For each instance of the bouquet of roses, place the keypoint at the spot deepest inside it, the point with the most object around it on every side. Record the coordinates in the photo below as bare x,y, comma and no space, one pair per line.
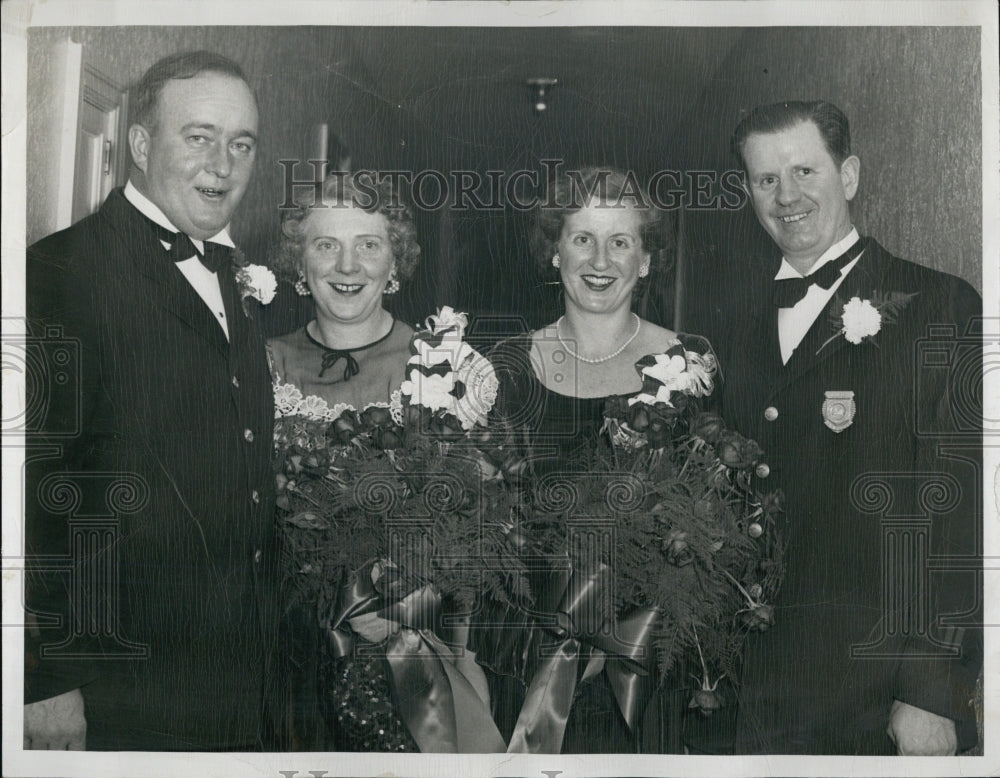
670,550
409,481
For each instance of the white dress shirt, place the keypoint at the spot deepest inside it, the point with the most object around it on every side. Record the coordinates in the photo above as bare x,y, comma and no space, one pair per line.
794,322
204,281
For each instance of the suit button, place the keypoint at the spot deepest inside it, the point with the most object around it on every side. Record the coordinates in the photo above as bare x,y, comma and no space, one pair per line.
248,434
255,497
770,413
257,556
763,471
236,382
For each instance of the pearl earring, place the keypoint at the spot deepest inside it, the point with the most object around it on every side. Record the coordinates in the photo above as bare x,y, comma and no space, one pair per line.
392,285
555,260
301,287
644,270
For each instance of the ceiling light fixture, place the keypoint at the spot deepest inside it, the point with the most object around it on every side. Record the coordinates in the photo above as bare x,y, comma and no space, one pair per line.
540,86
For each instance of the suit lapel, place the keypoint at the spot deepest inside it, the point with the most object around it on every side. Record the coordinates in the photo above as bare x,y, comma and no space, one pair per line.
176,295
236,314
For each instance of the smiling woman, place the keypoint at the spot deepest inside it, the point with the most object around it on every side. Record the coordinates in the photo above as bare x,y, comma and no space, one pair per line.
554,387
347,248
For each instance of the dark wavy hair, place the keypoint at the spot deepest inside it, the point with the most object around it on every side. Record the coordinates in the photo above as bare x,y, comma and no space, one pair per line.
573,190
366,190
764,119
145,95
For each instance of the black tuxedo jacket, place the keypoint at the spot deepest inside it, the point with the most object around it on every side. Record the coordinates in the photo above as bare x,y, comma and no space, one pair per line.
149,497
883,521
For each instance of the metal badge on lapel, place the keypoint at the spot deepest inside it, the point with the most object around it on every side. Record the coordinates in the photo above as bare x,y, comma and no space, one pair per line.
839,410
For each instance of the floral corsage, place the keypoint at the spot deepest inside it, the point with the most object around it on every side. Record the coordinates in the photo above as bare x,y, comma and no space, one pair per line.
860,320
256,281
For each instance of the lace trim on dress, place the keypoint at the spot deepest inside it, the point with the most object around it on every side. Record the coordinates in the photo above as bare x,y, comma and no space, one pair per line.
289,401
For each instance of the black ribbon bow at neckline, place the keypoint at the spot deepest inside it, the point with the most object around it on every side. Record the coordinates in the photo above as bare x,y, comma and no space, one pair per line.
332,356
788,292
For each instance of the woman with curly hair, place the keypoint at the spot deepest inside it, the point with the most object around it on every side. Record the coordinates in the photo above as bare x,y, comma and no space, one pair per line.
349,247
599,235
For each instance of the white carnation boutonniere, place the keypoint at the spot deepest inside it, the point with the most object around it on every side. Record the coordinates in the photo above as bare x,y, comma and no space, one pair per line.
860,320
258,282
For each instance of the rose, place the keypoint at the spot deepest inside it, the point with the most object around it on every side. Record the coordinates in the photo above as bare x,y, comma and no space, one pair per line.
344,426
708,426
676,547
707,701
659,432
758,617
638,417
616,408
737,452
388,438
662,420
416,417
446,426
376,416
678,405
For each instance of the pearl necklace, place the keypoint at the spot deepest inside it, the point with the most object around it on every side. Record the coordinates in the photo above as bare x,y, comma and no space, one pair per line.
598,360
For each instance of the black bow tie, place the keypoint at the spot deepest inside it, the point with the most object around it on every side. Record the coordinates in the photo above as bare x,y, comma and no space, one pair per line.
215,256
788,291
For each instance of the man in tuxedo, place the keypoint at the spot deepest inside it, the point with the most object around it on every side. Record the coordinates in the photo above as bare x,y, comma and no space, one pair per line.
870,419
149,497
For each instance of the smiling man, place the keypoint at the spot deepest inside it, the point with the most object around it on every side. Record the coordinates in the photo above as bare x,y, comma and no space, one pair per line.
151,591
876,645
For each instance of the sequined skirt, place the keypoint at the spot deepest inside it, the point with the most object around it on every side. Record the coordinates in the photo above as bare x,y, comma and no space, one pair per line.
357,704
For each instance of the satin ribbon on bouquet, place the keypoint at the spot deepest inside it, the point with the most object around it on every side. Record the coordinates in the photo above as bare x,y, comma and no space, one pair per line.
584,631
434,694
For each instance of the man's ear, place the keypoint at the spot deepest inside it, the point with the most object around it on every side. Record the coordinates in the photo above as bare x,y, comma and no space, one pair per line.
138,145
849,176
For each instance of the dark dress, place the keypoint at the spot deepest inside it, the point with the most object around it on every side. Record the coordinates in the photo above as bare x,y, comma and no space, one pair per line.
557,431
338,703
